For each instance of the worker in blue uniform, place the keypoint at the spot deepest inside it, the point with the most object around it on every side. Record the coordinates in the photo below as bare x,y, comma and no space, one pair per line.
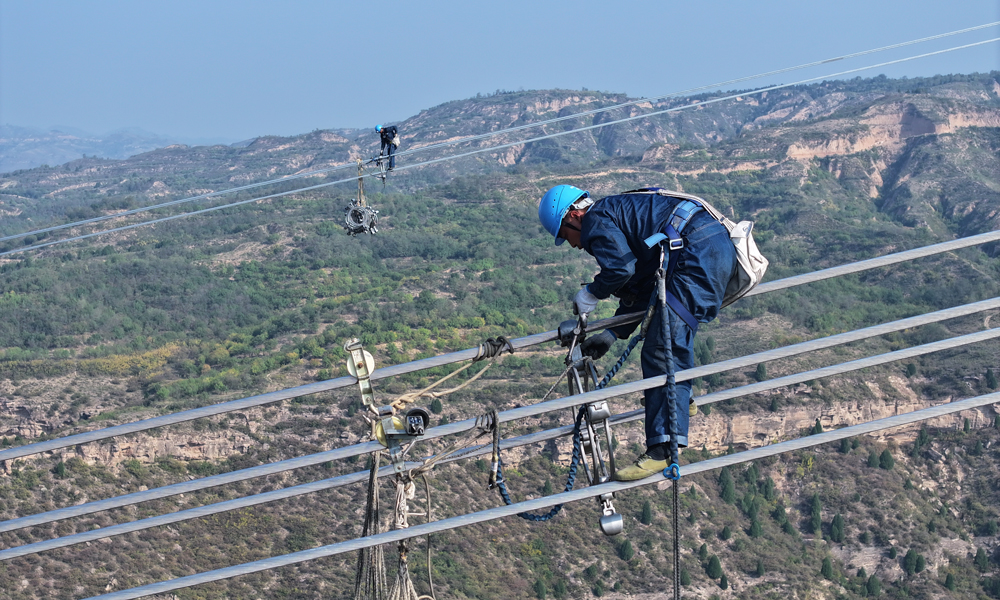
390,141
614,231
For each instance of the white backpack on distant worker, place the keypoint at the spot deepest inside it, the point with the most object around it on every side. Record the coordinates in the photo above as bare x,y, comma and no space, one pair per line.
753,265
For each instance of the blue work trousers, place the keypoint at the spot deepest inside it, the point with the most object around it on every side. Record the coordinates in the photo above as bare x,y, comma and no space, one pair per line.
703,270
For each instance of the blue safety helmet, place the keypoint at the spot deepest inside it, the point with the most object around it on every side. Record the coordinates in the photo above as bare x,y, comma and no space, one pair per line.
554,206
378,129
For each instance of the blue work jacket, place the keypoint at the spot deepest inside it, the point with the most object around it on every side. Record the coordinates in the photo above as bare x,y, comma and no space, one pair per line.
613,232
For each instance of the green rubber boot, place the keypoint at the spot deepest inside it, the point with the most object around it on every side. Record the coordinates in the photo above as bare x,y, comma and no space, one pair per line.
643,467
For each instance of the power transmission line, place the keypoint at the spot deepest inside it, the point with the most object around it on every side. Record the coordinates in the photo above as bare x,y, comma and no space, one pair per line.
531,410
498,147
546,501
362,476
491,134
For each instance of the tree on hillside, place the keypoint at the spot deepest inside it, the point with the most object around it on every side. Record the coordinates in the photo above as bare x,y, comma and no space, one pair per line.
761,373
837,529
827,569
981,561
646,517
714,569
625,551
885,460
816,515
874,586
728,486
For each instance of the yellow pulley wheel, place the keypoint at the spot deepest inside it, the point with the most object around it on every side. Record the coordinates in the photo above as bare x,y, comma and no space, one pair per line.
397,424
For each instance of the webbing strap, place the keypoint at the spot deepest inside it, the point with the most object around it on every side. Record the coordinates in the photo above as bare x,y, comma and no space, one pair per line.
673,301
671,236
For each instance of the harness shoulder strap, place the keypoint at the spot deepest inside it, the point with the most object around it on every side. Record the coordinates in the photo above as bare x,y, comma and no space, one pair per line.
676,222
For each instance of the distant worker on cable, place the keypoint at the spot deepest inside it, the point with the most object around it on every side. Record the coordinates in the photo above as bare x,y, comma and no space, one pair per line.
390,141
616,231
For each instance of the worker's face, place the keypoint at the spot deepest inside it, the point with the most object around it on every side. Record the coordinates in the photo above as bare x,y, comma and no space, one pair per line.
571,225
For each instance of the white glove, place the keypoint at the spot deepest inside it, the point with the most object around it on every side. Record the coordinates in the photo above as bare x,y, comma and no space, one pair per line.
584,302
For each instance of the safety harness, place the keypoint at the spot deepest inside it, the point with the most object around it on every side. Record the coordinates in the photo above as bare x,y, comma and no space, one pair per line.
671,242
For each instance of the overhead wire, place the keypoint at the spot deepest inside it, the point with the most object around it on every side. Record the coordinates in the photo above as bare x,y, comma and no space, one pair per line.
530,410
491,134
515,442
441,360
498,147
469,354
547,501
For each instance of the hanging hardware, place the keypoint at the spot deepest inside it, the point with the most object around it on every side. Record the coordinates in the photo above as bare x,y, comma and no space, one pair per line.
359,217
583,375
361,365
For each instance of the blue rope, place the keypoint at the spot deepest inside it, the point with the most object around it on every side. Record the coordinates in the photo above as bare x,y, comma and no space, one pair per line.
621,361
570,481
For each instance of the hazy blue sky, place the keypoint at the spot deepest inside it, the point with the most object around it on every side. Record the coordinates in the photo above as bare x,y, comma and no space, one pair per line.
233,70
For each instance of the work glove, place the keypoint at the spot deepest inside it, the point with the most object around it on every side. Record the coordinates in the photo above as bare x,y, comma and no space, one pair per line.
584,302
597,346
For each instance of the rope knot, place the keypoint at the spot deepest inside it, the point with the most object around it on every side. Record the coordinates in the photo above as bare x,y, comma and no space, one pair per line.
493,347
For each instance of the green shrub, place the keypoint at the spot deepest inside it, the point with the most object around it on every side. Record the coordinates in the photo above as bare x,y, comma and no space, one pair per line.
714,568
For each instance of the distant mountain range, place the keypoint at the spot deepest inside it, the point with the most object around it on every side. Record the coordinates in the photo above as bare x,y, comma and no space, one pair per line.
29,147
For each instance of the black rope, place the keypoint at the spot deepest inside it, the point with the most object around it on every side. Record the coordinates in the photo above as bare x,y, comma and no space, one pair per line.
677,547
494,347
369,579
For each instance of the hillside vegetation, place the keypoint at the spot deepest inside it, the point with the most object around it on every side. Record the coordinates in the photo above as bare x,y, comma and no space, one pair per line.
262,297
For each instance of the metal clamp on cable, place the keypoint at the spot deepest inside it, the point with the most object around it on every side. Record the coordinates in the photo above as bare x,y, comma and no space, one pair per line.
392,431
673,472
